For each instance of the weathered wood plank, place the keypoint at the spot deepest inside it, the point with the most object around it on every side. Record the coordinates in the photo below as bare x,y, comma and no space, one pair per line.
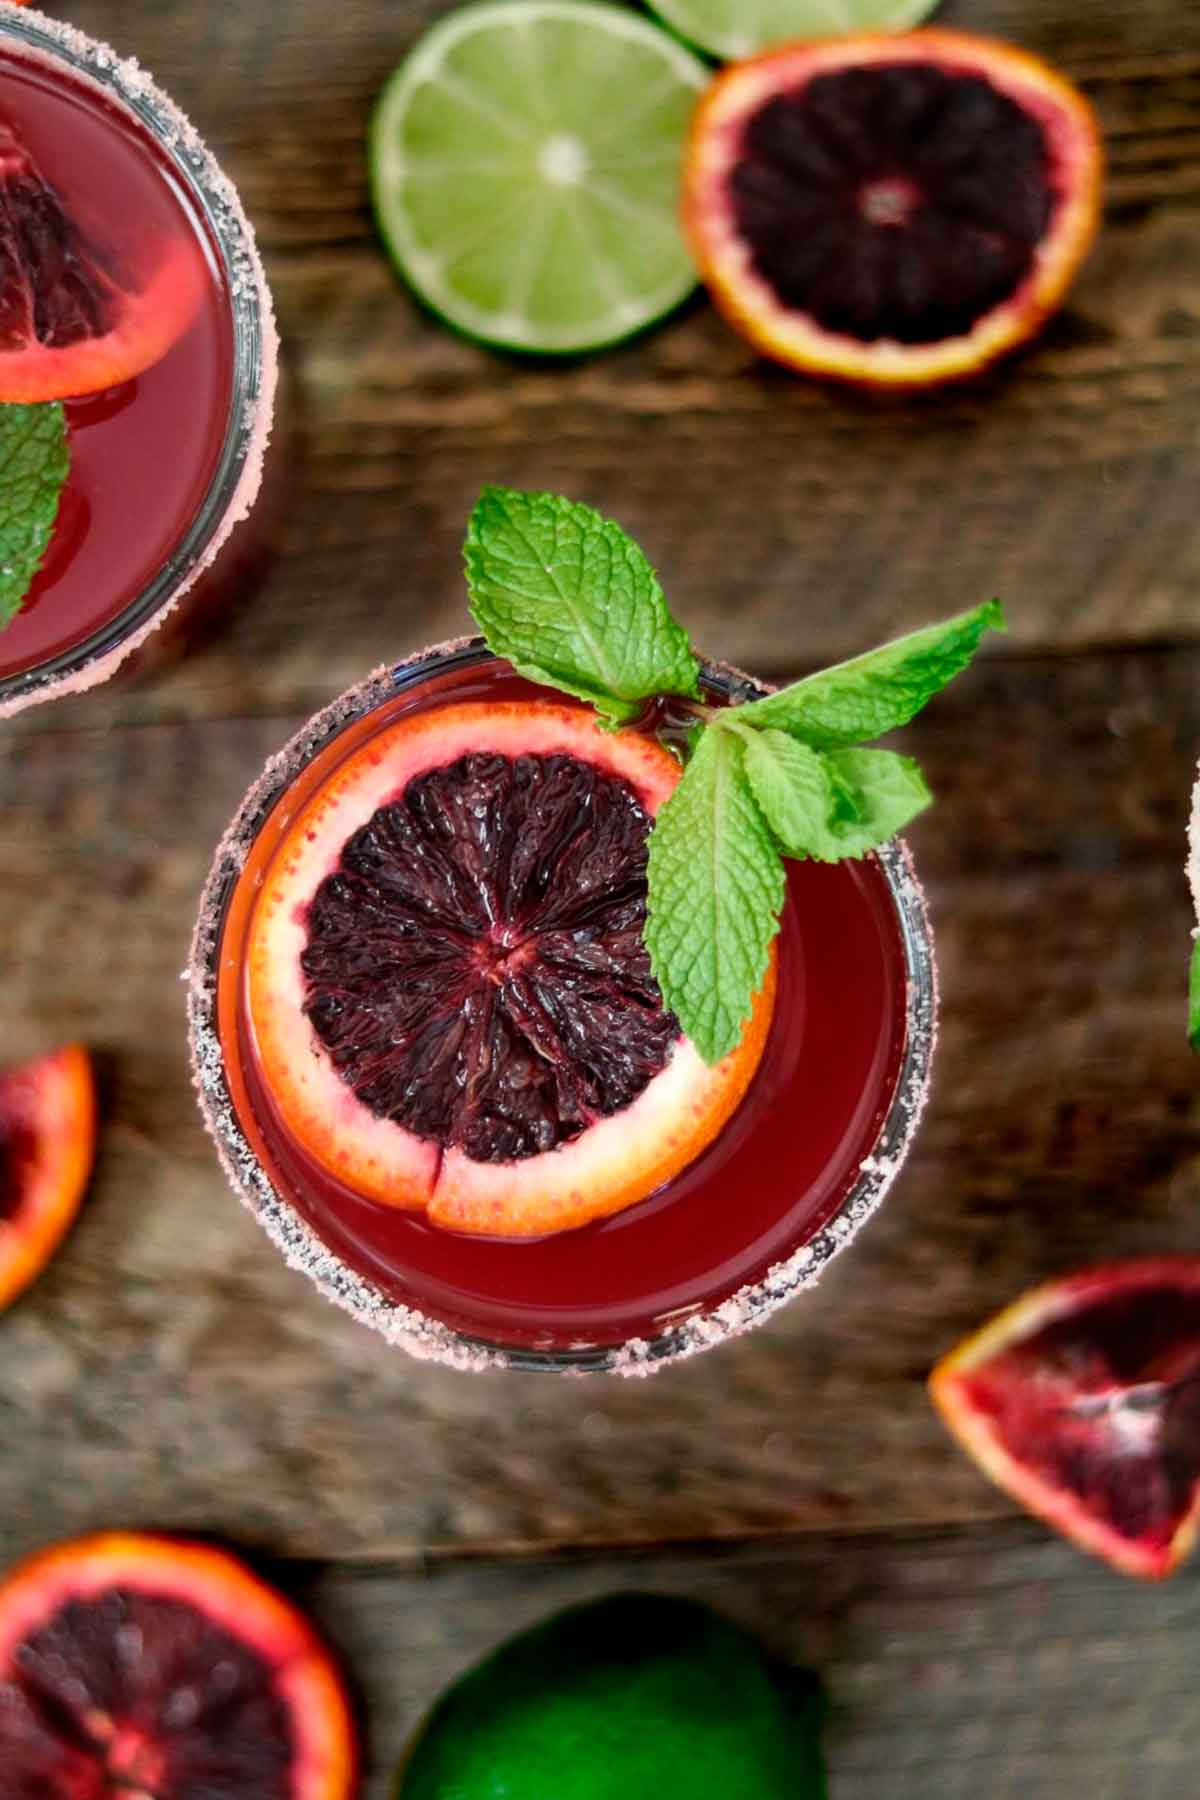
792,524
169,1368
978,1665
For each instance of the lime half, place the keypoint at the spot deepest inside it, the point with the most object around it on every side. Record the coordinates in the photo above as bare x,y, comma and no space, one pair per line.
734,28
525,161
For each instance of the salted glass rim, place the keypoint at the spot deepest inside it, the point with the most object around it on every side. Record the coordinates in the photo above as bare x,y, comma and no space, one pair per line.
429,1338
236,478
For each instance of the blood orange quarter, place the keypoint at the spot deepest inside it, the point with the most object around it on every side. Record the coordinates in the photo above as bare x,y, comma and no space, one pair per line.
47,1143
447,987
1082,1400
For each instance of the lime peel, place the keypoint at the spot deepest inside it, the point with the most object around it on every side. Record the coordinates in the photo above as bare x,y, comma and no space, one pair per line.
525,168
731,29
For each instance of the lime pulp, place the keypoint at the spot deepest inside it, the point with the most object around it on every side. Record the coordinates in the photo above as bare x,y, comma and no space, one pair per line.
734,28
525,164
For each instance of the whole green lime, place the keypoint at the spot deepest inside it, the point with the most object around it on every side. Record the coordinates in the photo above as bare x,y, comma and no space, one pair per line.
631,1698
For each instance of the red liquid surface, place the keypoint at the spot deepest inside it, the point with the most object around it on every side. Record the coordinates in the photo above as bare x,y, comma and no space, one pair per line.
143,454
779,1170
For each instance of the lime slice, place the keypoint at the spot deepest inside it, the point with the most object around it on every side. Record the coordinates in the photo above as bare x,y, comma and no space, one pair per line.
525,162
734,28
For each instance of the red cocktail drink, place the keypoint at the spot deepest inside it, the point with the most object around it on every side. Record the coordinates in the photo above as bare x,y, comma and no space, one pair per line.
165,463
802,1161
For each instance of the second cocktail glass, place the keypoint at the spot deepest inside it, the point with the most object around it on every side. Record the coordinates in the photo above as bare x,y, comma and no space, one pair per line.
167,461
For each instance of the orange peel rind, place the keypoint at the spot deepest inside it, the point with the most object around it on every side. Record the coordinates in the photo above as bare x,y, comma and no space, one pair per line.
794,336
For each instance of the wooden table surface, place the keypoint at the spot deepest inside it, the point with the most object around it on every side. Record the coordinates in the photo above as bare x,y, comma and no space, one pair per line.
169,1371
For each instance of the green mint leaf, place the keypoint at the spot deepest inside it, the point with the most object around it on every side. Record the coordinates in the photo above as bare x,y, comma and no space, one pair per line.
861,699
1194,998
34,459
569,600
716,887
792,786
889,791
831,804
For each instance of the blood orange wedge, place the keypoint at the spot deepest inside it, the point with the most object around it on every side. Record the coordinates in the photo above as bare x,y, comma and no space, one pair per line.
891,211
146,1668
47,1142
74,318
1083,1401
449,993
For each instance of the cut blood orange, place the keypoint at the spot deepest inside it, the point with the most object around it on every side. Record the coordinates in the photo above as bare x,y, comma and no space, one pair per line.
891,210
47,1142
147,1668
450,997
1083,1401
75,319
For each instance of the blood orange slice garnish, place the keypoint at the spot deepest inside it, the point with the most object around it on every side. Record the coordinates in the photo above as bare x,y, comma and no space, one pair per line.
1082,1400
892,211
143,1668
47,1143
74,317
450,996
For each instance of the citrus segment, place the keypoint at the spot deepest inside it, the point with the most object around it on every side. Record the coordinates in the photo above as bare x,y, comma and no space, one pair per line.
1082,1400
47,1143
894,211
138,1665
450,997
74,319
670,1122
525,169
730,29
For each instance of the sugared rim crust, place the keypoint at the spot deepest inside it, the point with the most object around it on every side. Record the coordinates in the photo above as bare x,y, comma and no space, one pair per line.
429,1338
746,299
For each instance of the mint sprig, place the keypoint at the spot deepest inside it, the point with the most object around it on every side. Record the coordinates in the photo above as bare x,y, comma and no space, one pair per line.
34,459
716,889
833,804
567,598
859,700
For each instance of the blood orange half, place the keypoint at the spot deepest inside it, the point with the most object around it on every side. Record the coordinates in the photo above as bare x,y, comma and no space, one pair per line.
146,1668
450,997
47,1142
893,211
74,317
1083,1401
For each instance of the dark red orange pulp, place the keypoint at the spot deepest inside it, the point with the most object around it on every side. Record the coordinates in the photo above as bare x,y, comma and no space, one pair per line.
1082,1400
138,1665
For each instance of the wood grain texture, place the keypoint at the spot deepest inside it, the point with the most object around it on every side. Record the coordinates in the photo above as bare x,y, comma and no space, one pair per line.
978,1665
791,523
169,1369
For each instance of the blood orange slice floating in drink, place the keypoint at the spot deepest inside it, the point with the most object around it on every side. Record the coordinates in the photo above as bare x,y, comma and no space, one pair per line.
75,318
447,982
133,1666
